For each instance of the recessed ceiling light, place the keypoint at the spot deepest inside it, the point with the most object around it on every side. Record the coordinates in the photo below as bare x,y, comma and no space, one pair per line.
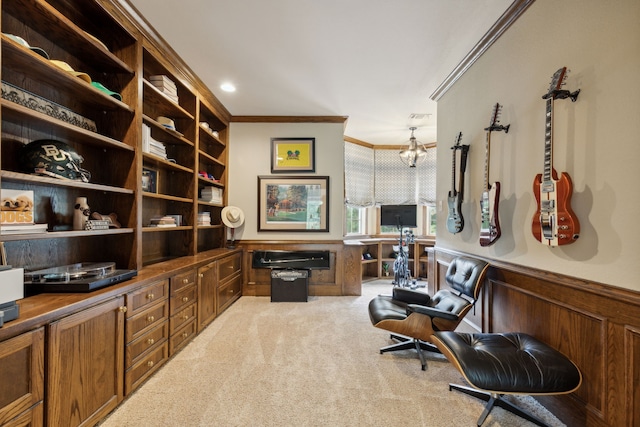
228,87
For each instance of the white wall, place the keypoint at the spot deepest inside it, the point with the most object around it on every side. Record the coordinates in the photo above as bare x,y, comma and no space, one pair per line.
597,138
249,157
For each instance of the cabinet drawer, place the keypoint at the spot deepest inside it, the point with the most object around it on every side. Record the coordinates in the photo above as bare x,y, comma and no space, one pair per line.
146,342
179,281
138,300
182,337
229,266
182,317
142,322
21,370
145,367
229,293
183,298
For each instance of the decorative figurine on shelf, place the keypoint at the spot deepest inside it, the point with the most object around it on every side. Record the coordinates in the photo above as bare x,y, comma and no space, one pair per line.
233,218
112,219
81,213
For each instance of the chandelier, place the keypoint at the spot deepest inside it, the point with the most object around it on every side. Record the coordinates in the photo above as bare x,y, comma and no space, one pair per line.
414,152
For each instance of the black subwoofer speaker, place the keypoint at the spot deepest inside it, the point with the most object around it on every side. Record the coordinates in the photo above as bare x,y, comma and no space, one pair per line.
289,285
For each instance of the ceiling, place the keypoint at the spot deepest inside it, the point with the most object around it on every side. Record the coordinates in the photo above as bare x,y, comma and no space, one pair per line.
375,61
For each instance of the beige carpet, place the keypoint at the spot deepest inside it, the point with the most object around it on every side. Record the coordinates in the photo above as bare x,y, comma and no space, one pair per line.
304,364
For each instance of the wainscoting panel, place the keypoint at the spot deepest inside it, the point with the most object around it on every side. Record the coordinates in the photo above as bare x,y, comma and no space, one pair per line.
342,277
632,347
595,325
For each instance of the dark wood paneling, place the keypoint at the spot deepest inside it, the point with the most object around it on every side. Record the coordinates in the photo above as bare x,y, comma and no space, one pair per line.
595,325
632,347
342,278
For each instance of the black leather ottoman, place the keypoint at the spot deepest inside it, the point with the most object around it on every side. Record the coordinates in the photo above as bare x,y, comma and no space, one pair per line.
509,363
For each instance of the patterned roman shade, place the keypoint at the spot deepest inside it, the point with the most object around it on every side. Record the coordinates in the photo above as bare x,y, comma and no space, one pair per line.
395,182
427,178
358,175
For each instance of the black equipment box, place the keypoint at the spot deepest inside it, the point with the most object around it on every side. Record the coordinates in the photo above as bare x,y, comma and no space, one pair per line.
289,285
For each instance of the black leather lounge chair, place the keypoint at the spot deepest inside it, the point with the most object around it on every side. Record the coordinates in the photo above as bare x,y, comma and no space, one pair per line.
413,316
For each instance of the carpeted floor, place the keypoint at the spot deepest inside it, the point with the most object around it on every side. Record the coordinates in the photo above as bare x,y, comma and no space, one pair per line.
304,364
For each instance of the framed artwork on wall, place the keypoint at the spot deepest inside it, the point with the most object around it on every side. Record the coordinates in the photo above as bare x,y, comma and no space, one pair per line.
293,155
149,180
293,203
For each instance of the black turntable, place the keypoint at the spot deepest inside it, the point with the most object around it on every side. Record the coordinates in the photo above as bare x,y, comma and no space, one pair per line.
80,277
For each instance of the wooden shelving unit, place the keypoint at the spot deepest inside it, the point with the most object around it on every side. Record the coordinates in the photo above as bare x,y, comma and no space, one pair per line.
381,252
105,40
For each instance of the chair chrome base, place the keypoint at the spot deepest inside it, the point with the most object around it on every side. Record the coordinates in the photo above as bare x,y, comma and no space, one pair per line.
494,399
407,343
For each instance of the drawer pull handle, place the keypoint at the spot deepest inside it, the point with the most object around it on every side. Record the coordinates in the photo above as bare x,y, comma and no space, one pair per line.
150,363
185,334
185,281
150,296
150,341
151,318
185,299
230,291
185,317
122,309
201,275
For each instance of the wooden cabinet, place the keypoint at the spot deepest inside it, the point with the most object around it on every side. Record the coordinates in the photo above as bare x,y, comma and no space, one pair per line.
184,310
207,292
229,284
101,346
378,252
22,371
219,285
147,333
84,379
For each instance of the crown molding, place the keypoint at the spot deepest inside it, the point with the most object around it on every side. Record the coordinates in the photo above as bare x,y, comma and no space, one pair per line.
510,16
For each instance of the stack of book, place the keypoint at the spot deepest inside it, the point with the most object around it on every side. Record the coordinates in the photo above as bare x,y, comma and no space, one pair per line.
204,218
152,146
165,85
211,195
23,229
163,222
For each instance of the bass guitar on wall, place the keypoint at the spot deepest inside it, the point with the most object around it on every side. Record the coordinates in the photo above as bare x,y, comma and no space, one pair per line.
455,221
490,225
554,223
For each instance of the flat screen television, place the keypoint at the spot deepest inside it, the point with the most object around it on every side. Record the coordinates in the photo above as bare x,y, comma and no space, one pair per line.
398,215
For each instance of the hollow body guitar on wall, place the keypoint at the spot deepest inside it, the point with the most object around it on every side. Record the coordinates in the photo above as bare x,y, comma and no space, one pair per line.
455,220
490,199
554,222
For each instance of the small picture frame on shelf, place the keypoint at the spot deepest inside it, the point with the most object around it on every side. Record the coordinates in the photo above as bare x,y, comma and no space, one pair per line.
149,180
293,155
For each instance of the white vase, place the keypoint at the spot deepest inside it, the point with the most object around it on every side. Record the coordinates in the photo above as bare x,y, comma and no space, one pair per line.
80,213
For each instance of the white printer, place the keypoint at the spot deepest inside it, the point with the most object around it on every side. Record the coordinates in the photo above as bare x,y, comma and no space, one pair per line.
11,290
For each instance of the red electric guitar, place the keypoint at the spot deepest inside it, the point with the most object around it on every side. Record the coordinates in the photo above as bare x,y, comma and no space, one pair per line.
554,223
490,225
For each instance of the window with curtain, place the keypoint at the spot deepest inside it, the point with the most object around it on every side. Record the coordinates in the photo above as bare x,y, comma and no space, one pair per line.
378,177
